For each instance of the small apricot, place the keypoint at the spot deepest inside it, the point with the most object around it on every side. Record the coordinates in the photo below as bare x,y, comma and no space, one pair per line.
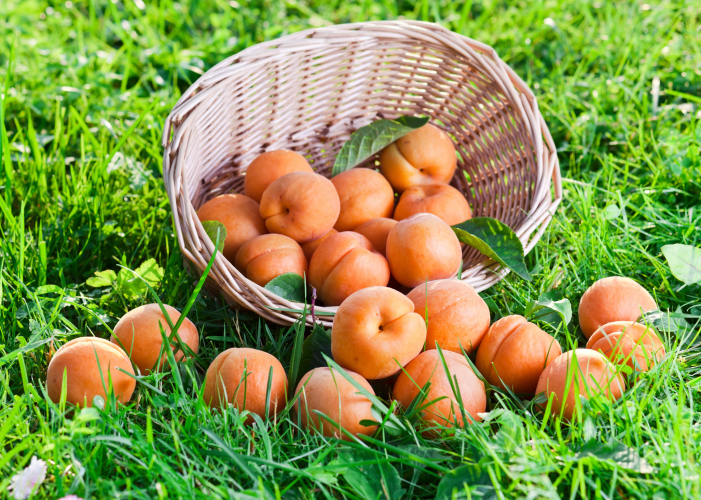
240,376
443,407
585,373
376,331
139,334
455,313
442,200
310,246
301,205
514,353
326,391
345,263
365,194
89,363
626,342
268,256
376,230
422,248
240,216
423,156
613,299
268,167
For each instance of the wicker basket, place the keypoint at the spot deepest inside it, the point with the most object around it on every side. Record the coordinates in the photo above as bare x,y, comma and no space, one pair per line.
309,91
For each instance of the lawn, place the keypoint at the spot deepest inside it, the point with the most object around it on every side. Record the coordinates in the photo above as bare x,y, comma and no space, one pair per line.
86,87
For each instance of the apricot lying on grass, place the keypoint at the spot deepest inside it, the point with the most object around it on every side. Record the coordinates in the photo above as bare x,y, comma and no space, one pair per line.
89,363
139,334
345,263
626,342
240,376
365,194
514,353
268,167
377,230
268,256
376,331
423,156
301,205
456,314
591,373
422,248
441,200
444,408
327,391
612,299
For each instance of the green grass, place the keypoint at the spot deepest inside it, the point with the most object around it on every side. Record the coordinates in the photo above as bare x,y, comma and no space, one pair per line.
81,191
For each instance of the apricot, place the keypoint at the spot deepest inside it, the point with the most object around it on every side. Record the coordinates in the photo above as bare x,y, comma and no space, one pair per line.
443,407
422,248
376,331
301,205
455,313
365,194
268,256
589,374
240,216
514,353
345,263
240,376
310,246
326,391
438,199
626,342
612,299
90,363
139,334
423,156
376,230
268,167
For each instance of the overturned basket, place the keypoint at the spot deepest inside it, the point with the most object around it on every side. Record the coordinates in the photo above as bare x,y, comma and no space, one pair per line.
309,91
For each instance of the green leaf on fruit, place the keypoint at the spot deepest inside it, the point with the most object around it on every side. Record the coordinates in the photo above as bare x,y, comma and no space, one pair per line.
102,279
215,229
289,286
373,138
551,308
684,262
314,348
496,240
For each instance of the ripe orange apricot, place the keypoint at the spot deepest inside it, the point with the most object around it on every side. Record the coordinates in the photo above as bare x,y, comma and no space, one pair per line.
327,391
626,342
365,194
612,299
240,376
456,314
268,167
301,205
345,263
423,156
376,230
88,361
240,216
375,332
422,248
310,246
444,408
589,374
139,334
268,256
442,200
514,354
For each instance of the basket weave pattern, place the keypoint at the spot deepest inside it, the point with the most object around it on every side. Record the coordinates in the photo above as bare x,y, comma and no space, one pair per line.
309,91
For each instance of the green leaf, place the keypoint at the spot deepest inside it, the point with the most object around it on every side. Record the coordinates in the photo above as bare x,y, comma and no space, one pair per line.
314,348
495,240
128,282
616,452
211,227
289,286
684,262
551,308
373,138
102,278
471,477
370,475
